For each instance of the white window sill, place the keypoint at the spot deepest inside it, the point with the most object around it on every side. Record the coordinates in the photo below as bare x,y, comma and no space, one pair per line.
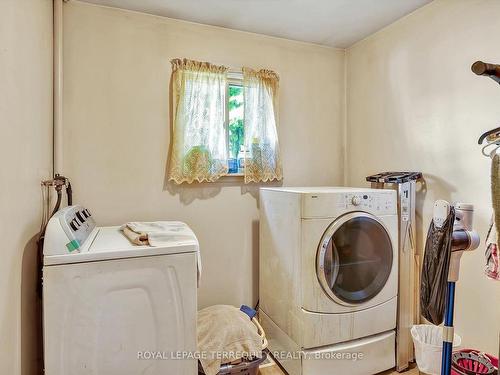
233,175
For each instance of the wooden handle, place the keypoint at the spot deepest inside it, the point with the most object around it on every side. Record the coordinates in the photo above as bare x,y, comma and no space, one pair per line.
486,69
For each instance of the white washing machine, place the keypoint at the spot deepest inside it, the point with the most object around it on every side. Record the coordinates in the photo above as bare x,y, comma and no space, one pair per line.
114,308
329,278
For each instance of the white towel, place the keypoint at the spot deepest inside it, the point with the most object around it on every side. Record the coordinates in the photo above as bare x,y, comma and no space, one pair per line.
163,233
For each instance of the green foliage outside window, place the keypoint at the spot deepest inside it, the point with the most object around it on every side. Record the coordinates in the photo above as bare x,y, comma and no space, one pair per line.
236,125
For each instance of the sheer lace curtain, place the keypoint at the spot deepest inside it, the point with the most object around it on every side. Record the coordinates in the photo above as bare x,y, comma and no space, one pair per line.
262,157
199,147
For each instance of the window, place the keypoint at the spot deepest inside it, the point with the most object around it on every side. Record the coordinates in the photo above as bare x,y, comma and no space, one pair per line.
224,123
235,126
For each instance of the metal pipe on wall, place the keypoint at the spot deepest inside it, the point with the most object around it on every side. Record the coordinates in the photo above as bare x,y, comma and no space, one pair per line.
58,86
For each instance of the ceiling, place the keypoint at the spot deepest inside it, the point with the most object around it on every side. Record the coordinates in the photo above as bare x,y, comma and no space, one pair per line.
335,23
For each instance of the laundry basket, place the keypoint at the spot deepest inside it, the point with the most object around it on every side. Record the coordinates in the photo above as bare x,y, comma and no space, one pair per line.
242,368
246,366
428,341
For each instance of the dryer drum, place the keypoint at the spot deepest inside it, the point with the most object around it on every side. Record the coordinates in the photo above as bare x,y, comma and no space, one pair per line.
354,258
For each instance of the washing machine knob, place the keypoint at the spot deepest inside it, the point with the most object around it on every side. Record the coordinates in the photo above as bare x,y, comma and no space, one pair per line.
356,201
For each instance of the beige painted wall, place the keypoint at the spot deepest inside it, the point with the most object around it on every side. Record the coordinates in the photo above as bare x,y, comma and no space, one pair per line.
116,130
410,89
413,104
26,154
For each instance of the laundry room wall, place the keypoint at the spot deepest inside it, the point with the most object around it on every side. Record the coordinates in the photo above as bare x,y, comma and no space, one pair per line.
414,104
26,155
117,131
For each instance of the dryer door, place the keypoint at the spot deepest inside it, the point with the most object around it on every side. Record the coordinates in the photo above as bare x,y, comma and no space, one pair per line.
354,258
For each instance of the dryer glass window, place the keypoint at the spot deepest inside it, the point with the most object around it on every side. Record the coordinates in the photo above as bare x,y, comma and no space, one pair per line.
358,260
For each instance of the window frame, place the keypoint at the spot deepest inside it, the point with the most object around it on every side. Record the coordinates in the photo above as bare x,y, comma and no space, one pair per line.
234,78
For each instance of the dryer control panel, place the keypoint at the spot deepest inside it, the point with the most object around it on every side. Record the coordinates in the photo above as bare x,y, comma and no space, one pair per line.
333,204
372,202
67,230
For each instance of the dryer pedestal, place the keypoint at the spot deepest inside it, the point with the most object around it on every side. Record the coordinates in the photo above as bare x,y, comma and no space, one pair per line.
365,356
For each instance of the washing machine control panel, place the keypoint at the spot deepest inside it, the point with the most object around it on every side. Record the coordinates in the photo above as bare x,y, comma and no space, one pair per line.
67,230
379,203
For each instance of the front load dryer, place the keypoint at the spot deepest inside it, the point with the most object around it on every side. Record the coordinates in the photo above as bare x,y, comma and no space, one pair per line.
114,308
329,278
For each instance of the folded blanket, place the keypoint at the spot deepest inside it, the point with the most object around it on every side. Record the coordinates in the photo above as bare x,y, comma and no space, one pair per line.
160,233
226,334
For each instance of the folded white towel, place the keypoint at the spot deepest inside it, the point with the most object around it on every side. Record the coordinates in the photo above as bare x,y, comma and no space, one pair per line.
163,233
157,226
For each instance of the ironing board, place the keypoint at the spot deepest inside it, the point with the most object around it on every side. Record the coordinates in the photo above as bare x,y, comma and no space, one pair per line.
409,263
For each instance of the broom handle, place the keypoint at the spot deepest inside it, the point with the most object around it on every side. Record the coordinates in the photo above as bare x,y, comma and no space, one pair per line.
448,332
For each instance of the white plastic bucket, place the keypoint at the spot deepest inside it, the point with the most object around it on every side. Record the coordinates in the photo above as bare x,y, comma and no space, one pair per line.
428,341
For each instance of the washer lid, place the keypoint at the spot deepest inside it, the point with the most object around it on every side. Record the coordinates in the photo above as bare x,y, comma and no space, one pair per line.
106,243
